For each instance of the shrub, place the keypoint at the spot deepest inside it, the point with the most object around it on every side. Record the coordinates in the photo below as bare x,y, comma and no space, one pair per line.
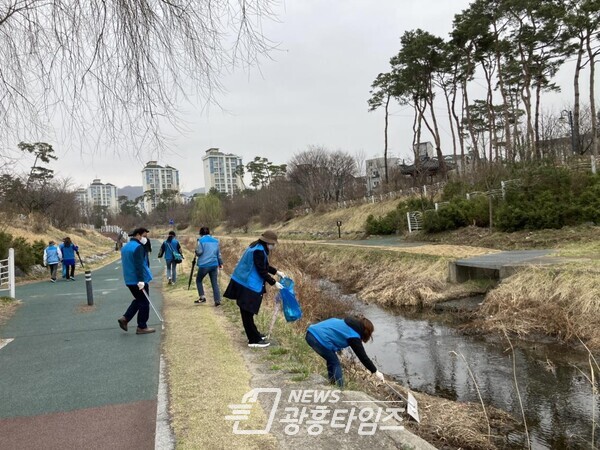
395,221
387,224
24,254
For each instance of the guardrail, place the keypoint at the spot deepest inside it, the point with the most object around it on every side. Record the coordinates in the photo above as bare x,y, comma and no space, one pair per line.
7,273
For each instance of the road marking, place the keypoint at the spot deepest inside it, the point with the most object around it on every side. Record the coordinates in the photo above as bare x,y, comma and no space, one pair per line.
165,440
111,279
5,342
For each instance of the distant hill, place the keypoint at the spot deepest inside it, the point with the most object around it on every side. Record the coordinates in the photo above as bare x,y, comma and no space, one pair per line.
194,191
131,192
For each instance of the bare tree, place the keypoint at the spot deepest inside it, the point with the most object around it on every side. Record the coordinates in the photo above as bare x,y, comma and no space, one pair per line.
322,176
116,70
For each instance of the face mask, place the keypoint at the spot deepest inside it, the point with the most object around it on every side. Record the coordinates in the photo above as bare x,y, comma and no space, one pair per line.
143,240
270,246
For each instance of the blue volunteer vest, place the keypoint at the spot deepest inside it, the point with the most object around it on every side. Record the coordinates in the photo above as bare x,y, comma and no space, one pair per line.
68,252
169,248
52,255
333,334
245,272
129,263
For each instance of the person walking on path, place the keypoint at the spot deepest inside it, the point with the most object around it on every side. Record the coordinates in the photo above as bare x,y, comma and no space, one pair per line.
209,263
169,248
247,284
69,249
332,335
52,256
137,275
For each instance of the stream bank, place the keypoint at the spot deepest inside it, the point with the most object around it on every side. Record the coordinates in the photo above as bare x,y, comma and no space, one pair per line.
421,350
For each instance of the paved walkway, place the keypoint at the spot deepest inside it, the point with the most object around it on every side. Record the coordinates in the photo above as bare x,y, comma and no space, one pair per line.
71,378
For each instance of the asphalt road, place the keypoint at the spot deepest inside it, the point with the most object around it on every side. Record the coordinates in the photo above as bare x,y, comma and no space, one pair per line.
71,378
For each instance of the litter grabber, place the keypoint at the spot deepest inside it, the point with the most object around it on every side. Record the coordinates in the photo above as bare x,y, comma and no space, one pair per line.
79,256
412,408
274,318
162,322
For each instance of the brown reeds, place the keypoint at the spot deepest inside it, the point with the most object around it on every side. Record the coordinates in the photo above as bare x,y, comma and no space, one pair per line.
560,302
445,423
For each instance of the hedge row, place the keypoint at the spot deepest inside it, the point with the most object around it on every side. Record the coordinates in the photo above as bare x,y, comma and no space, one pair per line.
544,197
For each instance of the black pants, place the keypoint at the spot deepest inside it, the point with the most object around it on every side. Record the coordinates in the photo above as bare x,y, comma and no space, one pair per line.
250,328
140,306
70,271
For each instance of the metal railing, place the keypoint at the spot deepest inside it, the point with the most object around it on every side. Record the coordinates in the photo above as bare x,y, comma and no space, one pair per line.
7,273
414,220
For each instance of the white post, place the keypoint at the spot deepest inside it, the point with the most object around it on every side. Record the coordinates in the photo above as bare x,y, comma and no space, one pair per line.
11,271
436,206
425,190
593,164
408,220
468,196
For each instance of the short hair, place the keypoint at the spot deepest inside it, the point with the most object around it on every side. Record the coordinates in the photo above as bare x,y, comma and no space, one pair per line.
204,231
171,233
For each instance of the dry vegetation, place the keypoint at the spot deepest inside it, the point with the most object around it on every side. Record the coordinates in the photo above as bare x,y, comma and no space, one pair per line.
206,374
8,306
445,423
560,302
386,277
353,220
89,242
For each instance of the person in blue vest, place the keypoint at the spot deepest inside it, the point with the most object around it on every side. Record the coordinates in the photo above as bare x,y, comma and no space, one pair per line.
52,256
137,275
168,249
247,284
209,263
332,335
69,250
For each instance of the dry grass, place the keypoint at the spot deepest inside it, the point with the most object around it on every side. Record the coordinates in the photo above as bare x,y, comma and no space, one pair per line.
206,374
561,302
446,251
385,277
353,219
8,306
445,423
89,242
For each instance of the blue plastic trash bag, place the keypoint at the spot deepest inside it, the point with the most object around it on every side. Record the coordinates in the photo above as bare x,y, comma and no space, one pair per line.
291,307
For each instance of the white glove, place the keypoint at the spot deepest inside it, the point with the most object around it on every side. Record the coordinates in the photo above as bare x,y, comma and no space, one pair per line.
141,285
280,273
278,285
379,375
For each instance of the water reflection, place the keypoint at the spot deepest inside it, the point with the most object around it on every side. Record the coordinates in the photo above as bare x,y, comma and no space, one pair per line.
556,397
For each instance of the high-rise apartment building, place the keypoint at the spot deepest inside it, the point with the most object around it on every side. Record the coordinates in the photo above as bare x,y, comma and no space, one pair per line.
220,171
100,195
157,179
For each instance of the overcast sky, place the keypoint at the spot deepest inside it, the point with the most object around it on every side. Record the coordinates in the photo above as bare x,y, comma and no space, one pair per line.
313,91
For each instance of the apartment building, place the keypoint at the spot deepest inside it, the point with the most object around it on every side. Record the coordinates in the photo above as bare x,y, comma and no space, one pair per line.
99,194
157,179
220,171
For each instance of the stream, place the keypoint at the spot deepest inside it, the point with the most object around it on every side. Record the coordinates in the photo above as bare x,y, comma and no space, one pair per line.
417,349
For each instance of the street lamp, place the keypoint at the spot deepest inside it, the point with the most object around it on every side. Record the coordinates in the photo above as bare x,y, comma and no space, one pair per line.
570,117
